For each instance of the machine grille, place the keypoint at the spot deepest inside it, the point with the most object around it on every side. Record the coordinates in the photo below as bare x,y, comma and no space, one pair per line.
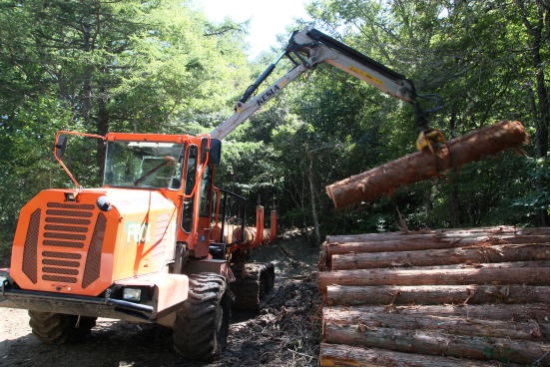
67,228
93,259
31,247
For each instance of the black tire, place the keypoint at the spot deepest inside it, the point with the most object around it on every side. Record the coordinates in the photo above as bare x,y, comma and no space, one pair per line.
57,328
201,328
267,278
253,282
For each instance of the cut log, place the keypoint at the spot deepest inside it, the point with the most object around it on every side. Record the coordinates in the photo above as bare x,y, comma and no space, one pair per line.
453,325
520,264
334,355
471,254
414,243
418,166
440,233
247,235
437,343
435,294
538,312
466,294
497,273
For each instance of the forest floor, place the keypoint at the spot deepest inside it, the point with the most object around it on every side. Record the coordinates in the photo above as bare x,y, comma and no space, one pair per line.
286,332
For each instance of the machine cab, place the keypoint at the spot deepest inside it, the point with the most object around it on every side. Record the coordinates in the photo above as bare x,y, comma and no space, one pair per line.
181,167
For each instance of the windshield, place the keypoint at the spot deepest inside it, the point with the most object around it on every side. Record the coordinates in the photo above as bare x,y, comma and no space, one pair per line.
143,164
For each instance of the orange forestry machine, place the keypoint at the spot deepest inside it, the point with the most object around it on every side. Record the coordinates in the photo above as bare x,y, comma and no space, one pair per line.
155,243
151,244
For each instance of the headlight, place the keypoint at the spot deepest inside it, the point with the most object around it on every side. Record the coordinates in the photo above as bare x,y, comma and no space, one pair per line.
131,294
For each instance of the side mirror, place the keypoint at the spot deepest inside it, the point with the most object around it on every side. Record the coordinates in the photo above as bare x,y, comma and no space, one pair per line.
215,151
60,145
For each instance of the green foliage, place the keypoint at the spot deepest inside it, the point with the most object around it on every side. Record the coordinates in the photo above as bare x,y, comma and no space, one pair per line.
479,56
159,66
482,58
100,66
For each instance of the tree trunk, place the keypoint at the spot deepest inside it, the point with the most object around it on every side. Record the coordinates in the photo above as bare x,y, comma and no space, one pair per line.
317,235
535,28
449,324
102,125
531,273
334,355
538,312
435,294
419,166
472,254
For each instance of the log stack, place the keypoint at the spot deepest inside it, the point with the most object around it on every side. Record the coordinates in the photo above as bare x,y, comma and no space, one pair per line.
463,297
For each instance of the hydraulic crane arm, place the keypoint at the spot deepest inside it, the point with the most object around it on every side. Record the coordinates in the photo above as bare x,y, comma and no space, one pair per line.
244,109
308,48
322,48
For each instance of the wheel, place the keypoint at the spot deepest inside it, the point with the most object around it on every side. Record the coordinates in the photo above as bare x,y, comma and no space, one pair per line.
201,326
57,328
253,282
267,278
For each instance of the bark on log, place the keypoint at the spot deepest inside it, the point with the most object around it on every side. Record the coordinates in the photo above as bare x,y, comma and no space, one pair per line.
501,273
416,242
538,312
435,294
441,233
424,165
395,245
436,343
473,266
446,324
247,235
437,239
471,254
334,355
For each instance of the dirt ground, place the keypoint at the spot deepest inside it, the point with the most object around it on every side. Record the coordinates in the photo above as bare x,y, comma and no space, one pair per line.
286,332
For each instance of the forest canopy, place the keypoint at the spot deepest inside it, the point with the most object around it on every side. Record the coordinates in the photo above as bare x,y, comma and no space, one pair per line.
160,66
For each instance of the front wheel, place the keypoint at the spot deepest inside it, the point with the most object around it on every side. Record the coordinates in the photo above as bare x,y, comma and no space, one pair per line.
202,323
57,328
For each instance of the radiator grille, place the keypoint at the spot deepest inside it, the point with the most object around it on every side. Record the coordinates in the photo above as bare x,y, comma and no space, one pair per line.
66,228
93,259
31,247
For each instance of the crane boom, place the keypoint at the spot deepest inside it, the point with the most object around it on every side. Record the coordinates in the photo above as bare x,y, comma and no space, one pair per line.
308,48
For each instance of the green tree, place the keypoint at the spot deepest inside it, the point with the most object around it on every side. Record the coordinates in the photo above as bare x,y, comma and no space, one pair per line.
99,66
484,59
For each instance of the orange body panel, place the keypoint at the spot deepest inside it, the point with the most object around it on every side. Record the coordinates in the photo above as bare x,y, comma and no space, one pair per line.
74,247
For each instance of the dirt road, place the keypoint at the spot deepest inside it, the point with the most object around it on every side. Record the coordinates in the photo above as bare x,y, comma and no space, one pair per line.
284,333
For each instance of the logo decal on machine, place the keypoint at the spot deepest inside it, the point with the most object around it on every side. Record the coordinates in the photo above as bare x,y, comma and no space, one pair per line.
267,95
137,232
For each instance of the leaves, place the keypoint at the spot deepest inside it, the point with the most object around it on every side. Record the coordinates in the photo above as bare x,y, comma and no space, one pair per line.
160,66
101,66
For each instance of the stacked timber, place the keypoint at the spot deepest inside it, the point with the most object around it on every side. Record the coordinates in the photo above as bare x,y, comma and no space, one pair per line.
463,297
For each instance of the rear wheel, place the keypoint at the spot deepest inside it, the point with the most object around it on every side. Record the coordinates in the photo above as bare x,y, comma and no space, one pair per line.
253,282
57,328
201,326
